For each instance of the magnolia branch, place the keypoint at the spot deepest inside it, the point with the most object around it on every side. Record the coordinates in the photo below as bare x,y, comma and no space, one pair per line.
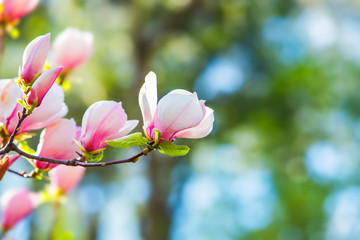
7,147
21,174
80,160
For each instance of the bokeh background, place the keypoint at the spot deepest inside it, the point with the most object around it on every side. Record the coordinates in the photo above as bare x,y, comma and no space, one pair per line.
282,162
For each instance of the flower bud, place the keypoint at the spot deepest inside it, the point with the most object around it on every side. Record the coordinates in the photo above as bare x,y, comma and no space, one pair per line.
72,48
16,205
42,85
16,9
34,57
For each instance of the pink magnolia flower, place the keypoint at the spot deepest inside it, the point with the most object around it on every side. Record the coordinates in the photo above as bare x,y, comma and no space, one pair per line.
34,57
179,114
16,9
104,120
72,48
42,85
56,141
51,110
65,177
16,205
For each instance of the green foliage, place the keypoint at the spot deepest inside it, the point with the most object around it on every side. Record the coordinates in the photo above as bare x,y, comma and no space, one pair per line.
135,139
24,146
173,150
96,157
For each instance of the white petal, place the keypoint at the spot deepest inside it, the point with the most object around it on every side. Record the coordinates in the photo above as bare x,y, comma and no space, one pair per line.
181,91
148,98
176,112
202,129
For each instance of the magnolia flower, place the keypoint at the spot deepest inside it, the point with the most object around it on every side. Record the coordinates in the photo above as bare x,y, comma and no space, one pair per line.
16,205
34,57
72,48
51,110
179,114
42,85
102,121
56,141
65,177
16,9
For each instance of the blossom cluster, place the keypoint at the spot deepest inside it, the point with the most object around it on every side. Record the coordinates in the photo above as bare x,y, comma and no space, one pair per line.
35,100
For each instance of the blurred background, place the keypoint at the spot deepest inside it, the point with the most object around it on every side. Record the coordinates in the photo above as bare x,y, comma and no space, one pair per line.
282,162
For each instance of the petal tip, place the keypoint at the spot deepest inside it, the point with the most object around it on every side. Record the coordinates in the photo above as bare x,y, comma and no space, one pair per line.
151,76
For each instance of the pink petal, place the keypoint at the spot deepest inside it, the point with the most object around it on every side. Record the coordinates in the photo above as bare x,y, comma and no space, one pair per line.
101,120
72,48
127,128
15,9
16,205
202,129
56,141
148,98
42,85
51,110
34,57
13,158
65,177
9,94
11,121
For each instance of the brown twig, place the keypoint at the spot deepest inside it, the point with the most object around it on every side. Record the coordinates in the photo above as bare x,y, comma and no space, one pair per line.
21,174
8,145
78,161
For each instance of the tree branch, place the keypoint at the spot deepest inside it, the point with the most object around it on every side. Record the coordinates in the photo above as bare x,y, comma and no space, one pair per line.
9,144
78,161
21,174
22,117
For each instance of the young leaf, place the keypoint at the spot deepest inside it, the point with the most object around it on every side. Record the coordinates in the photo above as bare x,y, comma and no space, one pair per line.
135,139
173,150
24,146
96,157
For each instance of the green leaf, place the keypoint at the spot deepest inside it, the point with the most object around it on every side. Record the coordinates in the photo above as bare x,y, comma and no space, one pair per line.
173,150
96,157
135,139
24,146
